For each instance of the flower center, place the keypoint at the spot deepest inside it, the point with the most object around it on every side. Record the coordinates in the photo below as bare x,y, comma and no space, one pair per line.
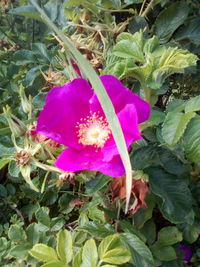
93,130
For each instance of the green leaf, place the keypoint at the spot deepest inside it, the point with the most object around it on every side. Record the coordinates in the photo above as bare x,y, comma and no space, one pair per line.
169,235
192,140
26,11
128,227
98,229
13,169
57,223
89,254
44,253
128,49
156,117
143,215
138,248
103,98
54,264
170,162
174,263
77,260
33,234
40,49
95,214
97,183
137,23
190,232
22,57
19,251
166,253
4,162
190,31
193,104
42,215
144,157
149,230
171,202
3,191
174,126
6,151
169,20
169,60
176,105
38,100
111,250
64,246
16,233
32,74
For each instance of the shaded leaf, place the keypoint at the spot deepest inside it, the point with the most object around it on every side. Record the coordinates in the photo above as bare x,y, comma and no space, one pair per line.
166,253
33,233
171,202
170,19
26,11
138,248
190,31
169,235
192,140
42,215
96,184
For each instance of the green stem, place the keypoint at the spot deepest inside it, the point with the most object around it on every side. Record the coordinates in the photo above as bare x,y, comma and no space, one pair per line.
142,7
118,214
150,6
99,263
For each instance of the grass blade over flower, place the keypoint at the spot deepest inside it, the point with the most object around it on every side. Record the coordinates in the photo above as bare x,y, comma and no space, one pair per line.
103,98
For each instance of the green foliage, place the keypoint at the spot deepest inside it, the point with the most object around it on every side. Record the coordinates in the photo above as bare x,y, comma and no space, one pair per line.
79,220
148,61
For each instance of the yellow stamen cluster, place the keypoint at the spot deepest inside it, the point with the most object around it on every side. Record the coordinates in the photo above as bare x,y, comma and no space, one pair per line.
93,130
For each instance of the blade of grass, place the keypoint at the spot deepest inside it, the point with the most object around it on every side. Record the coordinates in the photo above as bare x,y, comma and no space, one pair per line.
102,96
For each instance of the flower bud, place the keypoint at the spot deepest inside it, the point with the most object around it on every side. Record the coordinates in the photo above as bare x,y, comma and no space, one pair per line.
25,102
17,127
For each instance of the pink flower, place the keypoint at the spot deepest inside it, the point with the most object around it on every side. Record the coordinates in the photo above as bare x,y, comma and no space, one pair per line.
72,116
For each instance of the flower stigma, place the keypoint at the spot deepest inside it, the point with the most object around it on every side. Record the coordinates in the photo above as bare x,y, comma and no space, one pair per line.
93,130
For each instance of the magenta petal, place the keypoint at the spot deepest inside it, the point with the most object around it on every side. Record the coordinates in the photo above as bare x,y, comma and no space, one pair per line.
72,160
65,106
121,96
129,123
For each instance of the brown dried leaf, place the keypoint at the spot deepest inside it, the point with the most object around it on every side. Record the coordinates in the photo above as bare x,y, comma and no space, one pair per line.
139,190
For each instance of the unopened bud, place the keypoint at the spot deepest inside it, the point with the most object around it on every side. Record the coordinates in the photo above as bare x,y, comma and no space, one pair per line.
26,103
17,127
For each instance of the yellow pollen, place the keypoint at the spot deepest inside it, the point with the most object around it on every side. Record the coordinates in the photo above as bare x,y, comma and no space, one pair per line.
93,130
